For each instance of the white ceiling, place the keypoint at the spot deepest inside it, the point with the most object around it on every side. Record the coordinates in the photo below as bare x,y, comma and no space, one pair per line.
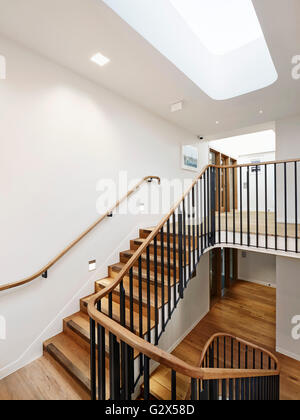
71,31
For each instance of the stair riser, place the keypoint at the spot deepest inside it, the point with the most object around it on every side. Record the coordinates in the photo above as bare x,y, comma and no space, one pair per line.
144,235
80,339
116,298
135,246
52,352
114,273
124,259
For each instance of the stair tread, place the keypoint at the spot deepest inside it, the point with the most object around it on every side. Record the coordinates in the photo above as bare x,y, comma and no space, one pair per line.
160,384
72,356
108,280
116,315
140,241
130,252
119,266
80,324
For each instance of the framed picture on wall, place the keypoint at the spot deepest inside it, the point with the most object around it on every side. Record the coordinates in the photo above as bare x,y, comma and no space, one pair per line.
190,157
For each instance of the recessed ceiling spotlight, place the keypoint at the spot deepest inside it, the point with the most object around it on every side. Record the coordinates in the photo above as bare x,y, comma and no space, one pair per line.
178,106
100,59
217,122
261,112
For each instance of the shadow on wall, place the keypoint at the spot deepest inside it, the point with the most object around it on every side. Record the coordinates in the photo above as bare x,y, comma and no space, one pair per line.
2,67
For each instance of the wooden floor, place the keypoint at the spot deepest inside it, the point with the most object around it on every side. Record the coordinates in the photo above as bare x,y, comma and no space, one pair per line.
42,380
291,228
247,311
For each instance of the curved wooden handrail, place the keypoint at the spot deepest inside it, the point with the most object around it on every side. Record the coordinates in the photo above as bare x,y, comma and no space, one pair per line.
239,340
77,240
148,349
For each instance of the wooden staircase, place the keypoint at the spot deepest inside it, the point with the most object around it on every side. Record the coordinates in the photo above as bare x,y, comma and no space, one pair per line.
71,348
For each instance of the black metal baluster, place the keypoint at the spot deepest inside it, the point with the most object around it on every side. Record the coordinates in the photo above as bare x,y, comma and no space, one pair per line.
180,250
193,229
241,204
219,200
233,202
127,373
237,389
226,204
156,292
101,359
162,276
204,209
169,269
175,260
257,208
140,275
147,378
285,206
114,357
224,390
296,208
224,354
198,220
204,393
275,206
248,205
93,359
201,214
266,206
194,389
247,389
218,352
184,243
148,296
208,209
173,386
131,299
123,345
189,236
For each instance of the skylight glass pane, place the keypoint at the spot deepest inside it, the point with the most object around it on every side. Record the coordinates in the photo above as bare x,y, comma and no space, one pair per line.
218,44
221,25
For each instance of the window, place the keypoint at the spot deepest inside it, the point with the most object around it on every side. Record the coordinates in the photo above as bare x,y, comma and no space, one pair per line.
218,44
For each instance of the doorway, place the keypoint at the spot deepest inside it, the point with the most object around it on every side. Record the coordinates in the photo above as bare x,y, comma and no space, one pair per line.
223,272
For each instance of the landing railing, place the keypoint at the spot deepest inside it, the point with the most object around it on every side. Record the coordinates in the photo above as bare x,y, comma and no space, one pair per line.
205,216
248,372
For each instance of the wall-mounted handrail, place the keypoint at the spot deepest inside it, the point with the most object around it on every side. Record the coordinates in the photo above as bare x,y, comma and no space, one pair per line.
44,270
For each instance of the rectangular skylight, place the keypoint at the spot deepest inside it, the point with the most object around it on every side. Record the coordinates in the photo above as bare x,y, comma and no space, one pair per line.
218,44
221,25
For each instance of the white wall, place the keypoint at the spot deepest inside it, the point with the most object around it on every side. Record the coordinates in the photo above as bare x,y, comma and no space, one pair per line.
288,305
288,147
257,267
262,157
246,144
191,309
60,135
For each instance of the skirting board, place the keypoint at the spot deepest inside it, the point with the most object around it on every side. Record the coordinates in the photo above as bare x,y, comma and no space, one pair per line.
273,286
288,354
